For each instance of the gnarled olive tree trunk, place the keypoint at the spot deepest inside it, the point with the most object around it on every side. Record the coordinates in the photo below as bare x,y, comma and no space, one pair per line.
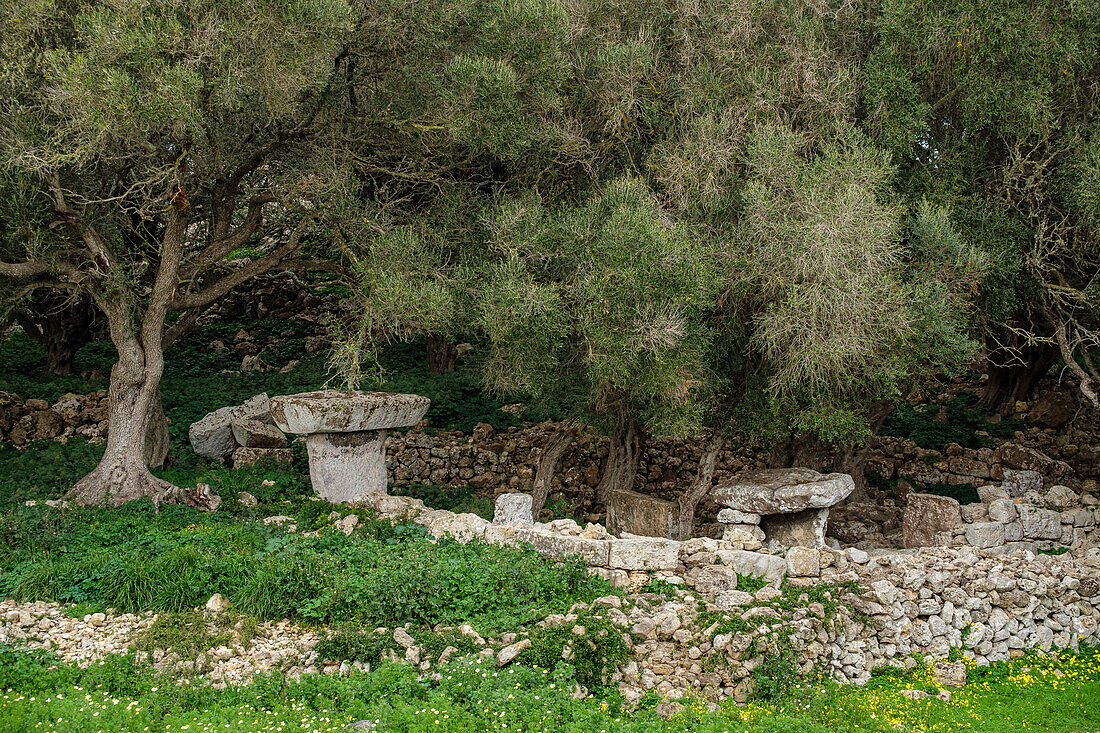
548,462
704,480
623,455
134,396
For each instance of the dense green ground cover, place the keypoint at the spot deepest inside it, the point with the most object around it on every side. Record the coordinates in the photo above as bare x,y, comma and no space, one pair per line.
1057,694
135,559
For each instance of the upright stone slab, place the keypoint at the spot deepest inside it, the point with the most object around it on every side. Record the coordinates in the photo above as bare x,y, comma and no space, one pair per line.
925,516
345,436
641,514
511,508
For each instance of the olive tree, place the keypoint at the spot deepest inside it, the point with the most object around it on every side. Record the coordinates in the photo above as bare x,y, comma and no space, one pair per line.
176,148
991,109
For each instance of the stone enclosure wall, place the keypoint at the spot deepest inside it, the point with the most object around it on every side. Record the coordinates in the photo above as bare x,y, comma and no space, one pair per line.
844,612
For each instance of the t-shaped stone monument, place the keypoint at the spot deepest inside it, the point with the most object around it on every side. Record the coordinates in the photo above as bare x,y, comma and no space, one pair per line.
790,505
345,435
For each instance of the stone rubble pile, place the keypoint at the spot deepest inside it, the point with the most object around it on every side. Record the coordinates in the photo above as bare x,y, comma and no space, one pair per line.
242,434
73,415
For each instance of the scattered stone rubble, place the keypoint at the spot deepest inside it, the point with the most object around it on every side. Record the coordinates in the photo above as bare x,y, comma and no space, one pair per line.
243,434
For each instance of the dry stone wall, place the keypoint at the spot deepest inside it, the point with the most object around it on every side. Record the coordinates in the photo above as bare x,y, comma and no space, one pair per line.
846,612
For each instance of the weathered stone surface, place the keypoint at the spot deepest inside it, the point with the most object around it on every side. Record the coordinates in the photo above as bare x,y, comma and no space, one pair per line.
1029,459
592,552
343,466
515,507
806,528
804,562
926,515
1002,510
244,457
256,434
644,554
732,516
510,652
332,411
715,579
754,564
949,674
641,514
1052,410
1039,524
985,534
1061,497
346,436
784,490
212,436
1017,483
991,492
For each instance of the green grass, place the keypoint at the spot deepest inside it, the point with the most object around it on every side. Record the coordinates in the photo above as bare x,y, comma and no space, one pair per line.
135,559
119,695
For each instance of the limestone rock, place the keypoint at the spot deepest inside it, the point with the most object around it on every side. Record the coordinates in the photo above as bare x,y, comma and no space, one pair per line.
714,580
256,434
644,554
950,674
1040,524
212,436
217,604
754,564
1052,410
732,516
1002,510
985,534
1018,483
510,652
243,457
514,507
803,562
640,514
926,515
784,490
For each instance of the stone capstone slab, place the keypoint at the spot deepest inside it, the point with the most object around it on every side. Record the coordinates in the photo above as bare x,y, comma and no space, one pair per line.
784,490
332,411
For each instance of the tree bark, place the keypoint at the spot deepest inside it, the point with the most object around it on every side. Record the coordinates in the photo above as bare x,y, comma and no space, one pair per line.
1014,372
122,474
704,480
442,354
62,324
623,456
548,462
156,433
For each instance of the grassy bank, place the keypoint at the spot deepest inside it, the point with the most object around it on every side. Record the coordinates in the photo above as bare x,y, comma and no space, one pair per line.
1056,694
